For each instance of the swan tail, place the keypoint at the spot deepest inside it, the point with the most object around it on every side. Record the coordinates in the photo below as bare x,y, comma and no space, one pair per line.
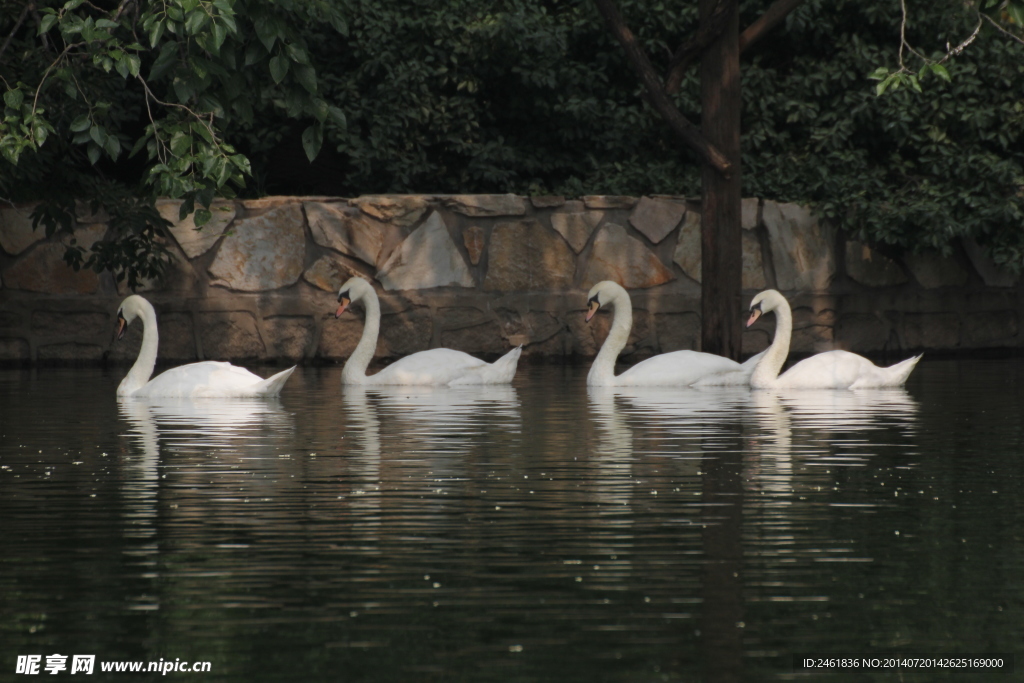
899,373
500,371
272,385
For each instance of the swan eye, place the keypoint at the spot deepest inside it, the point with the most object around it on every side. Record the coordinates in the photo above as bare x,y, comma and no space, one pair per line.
344,295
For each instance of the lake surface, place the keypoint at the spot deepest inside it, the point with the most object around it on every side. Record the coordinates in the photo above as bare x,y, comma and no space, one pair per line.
538,532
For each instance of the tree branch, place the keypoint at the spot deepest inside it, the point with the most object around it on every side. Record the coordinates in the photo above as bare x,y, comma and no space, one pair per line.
690,50
21,19
656,95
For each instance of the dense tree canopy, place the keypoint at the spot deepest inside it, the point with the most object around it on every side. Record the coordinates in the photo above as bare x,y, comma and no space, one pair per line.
508,96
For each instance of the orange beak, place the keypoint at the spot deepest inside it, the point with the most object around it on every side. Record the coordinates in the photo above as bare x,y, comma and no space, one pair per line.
345,301
754,315
592,310
122,325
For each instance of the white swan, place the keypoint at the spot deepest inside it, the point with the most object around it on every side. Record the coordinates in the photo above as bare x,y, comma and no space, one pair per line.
436,367
678,368
212,379
829,370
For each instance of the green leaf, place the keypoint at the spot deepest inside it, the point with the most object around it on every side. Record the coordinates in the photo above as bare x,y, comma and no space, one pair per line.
306,76
181,143
81,123
167,58
98,135
266,30
200,129
113,146
312,141
155,33
93,153
1016,12
47,23
278,68
941,72
202,217
14,98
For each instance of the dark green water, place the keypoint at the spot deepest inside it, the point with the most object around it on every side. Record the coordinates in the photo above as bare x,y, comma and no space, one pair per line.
539,532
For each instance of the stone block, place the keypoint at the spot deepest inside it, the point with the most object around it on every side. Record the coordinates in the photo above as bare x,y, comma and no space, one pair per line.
262,253
288,336
526,256
656,218
403,211
869,268
329,273
532,327
192,240
992,274
458,317
548,202
991,328
801,247
473,239
230,335
863,333
623,259
16,231
678,331
934,271
753,262
688,250
339,337
608,201
483,338
14,349
346,230
930,330
485,204
177,340
749,208
576,227
427,258
43,268
587,338
755,340
70,325
406,332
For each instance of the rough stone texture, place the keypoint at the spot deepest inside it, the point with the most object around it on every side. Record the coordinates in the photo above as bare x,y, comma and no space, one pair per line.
486,204
401,210
526,256
288,336
329,273
483,338
813,332
262,253
473,238
688,251
587,338
43,269
177,341
993,275
69,352
753,262
990,328
16,232
339,337
459,317
427,258
230,335
931,330
608,201
656,218
72,325
618,257
934,271
868,267
549,202
347,230
755,340
529,328
196,242
14,349
801,247
863,333
748,213
576,227
678,331
406,332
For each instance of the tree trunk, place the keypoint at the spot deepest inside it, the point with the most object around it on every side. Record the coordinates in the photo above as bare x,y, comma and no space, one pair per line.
721,255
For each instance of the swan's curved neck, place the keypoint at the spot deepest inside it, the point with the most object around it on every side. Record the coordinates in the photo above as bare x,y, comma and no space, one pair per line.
354,371
602,372
144,364
767,371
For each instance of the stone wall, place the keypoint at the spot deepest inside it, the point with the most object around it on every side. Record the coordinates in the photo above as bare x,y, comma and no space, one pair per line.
483,273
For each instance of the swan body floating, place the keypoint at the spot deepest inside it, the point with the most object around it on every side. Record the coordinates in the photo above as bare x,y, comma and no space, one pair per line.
207,379
828,370
678,368
435,367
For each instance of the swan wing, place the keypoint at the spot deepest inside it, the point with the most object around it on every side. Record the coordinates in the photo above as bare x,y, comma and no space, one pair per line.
678,368
208,378
433,367
834,370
